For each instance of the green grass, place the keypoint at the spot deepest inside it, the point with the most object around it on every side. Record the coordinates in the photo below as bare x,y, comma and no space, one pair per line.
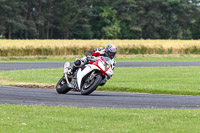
43,119
160,80
158,59
37,59
119,59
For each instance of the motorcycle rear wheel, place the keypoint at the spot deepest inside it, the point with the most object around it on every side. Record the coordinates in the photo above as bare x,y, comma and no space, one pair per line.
62,86
91,87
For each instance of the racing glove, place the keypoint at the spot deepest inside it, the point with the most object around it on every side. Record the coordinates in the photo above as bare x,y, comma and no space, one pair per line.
100,50
91,58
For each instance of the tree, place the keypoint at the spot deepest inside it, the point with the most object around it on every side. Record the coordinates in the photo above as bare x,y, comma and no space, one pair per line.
11,20
29,18
83,28
88,19
49,18
66,17
111,25
2,18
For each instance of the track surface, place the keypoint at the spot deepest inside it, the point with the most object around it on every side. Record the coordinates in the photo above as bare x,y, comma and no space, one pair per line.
39,65
28,96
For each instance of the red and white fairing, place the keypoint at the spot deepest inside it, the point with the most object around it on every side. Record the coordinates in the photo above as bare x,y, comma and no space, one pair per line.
103,64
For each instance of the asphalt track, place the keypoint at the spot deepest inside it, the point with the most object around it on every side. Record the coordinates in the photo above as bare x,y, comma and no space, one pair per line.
40,65
28,96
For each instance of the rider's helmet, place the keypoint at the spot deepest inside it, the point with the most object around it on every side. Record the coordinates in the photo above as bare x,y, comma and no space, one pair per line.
110,51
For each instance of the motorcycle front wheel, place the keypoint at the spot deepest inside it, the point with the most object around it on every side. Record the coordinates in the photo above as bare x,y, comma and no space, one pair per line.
62,87
91,84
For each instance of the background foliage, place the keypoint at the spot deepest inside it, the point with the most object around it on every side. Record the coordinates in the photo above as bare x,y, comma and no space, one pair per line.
100,19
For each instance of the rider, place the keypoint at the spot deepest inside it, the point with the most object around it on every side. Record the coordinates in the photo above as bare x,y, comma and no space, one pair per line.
109,51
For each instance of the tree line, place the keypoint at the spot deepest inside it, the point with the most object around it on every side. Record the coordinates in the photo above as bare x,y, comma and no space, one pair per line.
100,19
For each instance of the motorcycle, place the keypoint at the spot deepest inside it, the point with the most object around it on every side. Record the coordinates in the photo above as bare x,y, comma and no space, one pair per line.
87,77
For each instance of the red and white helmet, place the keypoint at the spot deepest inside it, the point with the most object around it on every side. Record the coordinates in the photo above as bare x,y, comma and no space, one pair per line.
110,50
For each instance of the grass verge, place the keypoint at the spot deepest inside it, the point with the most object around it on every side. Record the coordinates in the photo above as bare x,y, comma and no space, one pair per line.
160,80
18,118
119,58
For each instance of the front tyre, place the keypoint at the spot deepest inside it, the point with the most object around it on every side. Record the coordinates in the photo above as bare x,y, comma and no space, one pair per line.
91,84
62,87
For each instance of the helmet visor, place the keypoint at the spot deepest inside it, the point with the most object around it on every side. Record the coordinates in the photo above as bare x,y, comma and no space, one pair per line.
111,54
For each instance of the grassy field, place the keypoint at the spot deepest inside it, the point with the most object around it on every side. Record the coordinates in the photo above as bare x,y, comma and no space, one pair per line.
161,80
40,119
79,47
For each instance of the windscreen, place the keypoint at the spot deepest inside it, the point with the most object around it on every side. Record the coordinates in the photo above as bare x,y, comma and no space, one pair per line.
108,61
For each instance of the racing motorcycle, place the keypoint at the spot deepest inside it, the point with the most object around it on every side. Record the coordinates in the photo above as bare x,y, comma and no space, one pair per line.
87,77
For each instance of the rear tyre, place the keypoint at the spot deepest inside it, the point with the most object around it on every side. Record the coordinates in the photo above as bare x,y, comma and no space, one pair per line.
62,86
89,86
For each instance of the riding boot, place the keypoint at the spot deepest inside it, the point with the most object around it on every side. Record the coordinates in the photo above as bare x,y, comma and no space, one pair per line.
76,64
73,68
